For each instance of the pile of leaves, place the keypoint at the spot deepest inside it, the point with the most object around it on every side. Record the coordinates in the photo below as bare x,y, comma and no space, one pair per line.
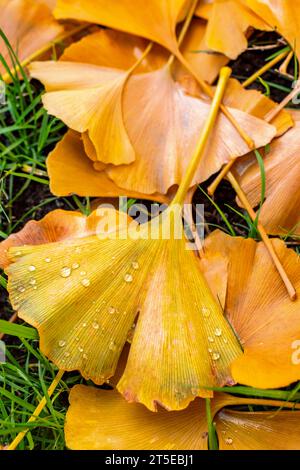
160,338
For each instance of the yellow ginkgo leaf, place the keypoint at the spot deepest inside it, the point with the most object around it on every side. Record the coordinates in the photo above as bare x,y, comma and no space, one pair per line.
228,23
266,321
155,20
116,280
93,423
280,211
105,284
260,430
85,96
57,226
28,26
281,15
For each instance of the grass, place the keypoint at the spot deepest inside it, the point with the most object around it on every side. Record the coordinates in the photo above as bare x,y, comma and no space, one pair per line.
27,135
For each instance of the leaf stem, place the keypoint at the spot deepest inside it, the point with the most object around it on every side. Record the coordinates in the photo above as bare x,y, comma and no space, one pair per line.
243,198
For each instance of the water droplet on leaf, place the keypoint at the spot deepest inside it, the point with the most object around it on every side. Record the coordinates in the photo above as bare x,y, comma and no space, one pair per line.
65,272
128,278
86,282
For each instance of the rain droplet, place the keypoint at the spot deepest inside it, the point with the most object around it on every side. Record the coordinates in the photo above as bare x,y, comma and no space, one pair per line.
206,312
21,289
210,350
67,354
229,441
75,265
216,356
111,310
95,325
77,339
18,253
86,282
225,340
80,349
84,356
65,272
83,273
218,332
62,343
135,265
84,324
47,260
32,282
210,339
31,269
112,346
128,278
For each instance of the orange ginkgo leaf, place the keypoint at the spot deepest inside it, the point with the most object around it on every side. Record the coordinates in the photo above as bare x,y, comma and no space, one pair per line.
205,62
164,136
228,24
93,423
265,320
28,26
71,171
281,15
160,162
56,226
155,20
280,211
87,95
257,104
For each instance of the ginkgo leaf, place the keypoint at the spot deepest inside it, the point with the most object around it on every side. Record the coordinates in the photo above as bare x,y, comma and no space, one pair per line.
205,62
93,423
91,410
266,321
281,15
98,304
114,49
256,104
280,211
228,24
72,172
85,96
96,69
28,26
56,226
164,137
155,20
258,430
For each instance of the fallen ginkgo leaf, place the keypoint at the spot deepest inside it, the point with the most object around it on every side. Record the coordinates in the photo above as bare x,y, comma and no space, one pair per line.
280,212
93,423
265,320
28,26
